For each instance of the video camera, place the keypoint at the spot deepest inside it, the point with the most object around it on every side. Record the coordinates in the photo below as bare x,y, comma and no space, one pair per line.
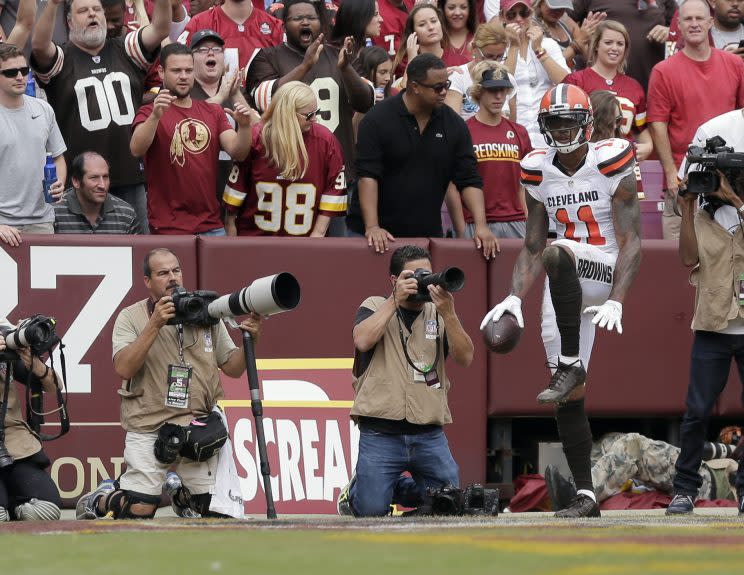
36,333
265,296
452,279
714,156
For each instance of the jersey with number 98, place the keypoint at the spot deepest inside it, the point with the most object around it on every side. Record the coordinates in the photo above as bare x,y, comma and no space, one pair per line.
269,205
581,204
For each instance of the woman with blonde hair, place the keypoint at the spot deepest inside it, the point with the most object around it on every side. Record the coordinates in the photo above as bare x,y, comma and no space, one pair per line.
292,182
609,50
489,44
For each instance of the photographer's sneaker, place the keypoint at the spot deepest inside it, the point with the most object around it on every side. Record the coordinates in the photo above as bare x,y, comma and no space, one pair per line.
37,510
4,515
581,506
86,505
343,503
172,486
681,505
565,379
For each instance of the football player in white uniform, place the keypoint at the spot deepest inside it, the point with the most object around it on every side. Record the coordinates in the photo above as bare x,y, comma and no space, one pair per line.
589,190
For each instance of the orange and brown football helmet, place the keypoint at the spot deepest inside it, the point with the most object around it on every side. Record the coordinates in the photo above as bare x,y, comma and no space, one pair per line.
563,109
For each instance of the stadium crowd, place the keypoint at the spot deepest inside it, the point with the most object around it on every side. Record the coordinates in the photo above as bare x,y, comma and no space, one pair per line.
180,131
252,118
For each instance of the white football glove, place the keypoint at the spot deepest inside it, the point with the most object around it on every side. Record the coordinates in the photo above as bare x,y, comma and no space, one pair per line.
607,315
512,304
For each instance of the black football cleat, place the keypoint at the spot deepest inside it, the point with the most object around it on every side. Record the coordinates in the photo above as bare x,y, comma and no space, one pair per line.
560,489
581,506
681,505
565,379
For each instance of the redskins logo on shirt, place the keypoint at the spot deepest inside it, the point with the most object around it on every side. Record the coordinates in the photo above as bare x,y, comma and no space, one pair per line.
190,135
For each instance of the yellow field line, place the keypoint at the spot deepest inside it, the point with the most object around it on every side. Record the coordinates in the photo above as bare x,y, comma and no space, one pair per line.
305,363
270,403
692,566
555,548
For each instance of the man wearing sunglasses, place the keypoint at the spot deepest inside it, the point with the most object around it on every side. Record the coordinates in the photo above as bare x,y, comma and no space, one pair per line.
28,133
409,148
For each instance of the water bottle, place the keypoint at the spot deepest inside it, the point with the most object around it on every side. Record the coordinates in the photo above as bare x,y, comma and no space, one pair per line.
31,87
368,43
50,176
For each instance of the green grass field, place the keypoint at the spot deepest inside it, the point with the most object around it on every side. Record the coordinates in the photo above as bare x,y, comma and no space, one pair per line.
710,545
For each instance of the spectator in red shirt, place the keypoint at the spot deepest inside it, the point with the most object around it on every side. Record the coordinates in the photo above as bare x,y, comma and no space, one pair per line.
293,181
499,145
180,139
394,14
460,21
696,84
609,49
244,28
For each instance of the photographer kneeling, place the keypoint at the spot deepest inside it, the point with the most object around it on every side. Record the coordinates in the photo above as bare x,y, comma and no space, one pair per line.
27,492
170,390
712,241
401,390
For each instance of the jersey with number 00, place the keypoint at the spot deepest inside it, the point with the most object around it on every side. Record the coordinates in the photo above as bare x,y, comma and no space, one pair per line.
96,98
581,204
270,205
336,111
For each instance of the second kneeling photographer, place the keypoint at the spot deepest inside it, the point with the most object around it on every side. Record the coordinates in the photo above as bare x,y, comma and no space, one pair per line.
27,492
401,385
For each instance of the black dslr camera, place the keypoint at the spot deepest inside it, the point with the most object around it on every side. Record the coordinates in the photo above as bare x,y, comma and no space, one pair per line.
451,279
192,307
36,333
714,156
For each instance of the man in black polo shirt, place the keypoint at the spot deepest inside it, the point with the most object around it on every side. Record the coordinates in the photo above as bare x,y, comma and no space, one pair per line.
409,148
87,207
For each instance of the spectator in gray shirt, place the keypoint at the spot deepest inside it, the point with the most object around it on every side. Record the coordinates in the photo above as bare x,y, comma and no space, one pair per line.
87,207
28,133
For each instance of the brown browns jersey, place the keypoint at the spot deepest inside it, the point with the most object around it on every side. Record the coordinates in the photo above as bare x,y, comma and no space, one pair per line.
95,99
336,111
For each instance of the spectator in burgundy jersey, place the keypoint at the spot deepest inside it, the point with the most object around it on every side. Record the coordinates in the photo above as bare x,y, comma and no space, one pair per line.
539,63
609,51
293,181
394,14
460,21
180,139
696,84
359,19
424,33
499,145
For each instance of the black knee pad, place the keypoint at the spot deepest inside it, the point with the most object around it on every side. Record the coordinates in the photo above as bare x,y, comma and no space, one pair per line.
120,503
566,295
558,262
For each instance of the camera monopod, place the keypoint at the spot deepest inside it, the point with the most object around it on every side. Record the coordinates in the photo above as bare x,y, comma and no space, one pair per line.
257,410
266,296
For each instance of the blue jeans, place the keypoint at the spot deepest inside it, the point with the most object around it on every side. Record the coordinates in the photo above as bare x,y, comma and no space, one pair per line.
384,457
709,369
217,232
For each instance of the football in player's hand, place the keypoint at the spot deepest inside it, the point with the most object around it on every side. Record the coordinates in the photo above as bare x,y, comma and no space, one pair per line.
502,336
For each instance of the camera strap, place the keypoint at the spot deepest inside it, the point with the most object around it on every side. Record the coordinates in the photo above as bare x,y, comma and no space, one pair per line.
35,400
179,337
404,343
6,393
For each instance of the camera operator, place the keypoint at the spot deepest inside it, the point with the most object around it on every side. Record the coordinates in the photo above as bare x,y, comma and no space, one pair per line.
712,242
171,377
27,492
401,391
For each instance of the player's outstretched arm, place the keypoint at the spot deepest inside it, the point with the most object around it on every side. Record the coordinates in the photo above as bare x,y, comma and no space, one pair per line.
626,216
529,261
